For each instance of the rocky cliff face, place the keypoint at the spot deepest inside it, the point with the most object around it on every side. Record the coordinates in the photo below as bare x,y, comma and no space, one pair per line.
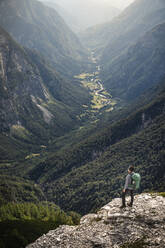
21,83
32,99
143,225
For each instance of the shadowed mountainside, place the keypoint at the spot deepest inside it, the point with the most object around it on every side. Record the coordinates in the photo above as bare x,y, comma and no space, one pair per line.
36,103
110,39
138,68
41,28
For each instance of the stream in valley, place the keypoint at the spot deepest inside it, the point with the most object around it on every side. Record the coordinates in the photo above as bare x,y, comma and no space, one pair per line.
101,99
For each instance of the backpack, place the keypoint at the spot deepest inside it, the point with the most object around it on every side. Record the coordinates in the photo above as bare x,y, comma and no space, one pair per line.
136,180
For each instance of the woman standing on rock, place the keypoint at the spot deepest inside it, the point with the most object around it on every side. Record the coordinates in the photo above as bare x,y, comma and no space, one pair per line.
128,188
132,182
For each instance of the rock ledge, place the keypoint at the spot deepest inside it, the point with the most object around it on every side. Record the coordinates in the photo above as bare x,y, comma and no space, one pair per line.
143,224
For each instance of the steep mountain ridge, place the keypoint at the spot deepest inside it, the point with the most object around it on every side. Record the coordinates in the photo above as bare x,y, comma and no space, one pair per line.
138,68
66,15
40,28
140,226
32,106
130,49
135,21
14,85
110,39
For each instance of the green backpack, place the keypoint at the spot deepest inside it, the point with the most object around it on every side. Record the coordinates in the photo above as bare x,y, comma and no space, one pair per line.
136,179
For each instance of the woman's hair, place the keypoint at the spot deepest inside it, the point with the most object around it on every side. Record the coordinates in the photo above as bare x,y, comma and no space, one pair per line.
131,168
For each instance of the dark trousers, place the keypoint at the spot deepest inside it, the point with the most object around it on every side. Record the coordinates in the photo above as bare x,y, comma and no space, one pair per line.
124,195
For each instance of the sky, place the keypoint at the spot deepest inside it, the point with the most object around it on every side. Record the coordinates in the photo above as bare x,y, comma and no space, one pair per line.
121,4
116,3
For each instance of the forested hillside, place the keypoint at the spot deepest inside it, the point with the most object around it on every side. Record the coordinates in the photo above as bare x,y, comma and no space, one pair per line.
94,170
22,223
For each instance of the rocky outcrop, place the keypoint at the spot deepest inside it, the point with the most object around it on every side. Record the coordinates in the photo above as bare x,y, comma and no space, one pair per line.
143,225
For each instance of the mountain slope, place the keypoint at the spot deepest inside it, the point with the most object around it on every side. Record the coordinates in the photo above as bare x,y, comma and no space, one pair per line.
67,175
88,187
134,22
40,28
35,102
37,106
110,39
138,68
69,18
13,189
84,176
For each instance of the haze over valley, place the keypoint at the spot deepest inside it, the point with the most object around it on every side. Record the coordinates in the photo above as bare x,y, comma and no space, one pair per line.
82,97
83,14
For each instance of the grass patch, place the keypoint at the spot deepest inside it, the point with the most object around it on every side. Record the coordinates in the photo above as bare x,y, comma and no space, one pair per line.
106,93
20,132
32,156
98,102
84,76
109,110
91,85
113,102
162,194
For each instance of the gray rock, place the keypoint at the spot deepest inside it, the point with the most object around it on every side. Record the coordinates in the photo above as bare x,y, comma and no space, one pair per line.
112,226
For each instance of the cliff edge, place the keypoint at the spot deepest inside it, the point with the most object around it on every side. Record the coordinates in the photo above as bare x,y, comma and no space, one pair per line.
143,225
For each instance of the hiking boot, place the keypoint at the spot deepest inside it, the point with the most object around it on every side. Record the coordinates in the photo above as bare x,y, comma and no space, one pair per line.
129,205
122,206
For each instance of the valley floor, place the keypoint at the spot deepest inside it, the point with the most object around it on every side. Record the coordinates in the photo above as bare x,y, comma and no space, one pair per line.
101,99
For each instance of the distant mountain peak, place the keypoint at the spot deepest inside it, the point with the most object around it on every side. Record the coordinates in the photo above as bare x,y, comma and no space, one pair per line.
40,28
83,14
